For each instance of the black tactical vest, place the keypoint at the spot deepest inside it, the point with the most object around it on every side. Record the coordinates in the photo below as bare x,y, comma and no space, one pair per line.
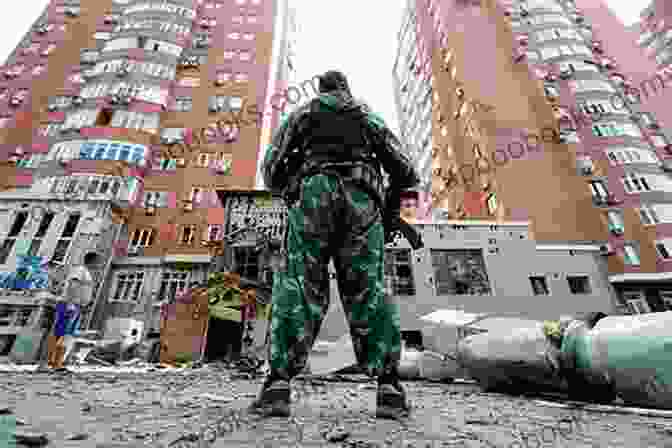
337,136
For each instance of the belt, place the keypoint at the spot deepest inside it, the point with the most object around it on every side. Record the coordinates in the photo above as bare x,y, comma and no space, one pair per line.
359,173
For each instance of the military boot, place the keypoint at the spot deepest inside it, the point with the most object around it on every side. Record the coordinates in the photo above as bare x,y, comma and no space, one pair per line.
274,397
391,399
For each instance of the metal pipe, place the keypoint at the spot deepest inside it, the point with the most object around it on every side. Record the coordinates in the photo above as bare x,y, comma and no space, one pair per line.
106,271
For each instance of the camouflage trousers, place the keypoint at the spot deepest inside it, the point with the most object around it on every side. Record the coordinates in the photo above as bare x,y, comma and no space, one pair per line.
333,219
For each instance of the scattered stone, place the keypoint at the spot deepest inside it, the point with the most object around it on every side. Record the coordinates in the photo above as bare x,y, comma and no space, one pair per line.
30,438
338,434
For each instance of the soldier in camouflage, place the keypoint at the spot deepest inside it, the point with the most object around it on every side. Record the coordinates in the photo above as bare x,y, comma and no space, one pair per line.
327,159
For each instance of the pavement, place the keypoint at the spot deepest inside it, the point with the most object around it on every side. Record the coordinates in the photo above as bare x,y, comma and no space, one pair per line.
205,407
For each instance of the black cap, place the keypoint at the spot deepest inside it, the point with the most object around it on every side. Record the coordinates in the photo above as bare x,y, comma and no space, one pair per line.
333,80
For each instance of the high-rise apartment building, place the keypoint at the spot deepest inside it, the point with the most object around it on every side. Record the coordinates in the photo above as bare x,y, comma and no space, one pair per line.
539,112
119,121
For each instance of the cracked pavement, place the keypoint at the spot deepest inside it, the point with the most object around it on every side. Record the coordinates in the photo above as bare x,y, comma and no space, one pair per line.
205,407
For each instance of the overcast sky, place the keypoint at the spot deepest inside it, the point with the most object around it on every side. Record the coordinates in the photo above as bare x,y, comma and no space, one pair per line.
355,36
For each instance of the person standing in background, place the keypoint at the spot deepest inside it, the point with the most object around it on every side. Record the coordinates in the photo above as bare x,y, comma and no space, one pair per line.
78,295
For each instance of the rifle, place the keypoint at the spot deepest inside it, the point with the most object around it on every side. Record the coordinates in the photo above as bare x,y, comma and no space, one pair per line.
393,223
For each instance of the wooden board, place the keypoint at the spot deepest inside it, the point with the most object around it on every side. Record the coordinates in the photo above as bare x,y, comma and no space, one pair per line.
184,329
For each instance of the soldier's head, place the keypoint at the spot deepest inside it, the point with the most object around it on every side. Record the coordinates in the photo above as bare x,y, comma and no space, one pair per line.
333,80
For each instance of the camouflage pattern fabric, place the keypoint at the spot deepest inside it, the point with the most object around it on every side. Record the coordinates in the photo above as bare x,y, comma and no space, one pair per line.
333,219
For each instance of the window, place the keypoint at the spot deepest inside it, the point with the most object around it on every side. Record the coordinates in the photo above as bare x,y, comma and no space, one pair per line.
636,302
38,70
204,160
245,56
142,238
215,232
615,221
630,255
460,272
246,262
165,165
241,77
63,244
41,232
492,203
579,284
228,54
196,195
659,141
586,85
248,36
635,182
624,156
129,287
577,66
666,297
599,190
599,108
539,286
649,216
399,272
172,285
664,249
616,130
234,36
155,199
187,236
182,104
110,150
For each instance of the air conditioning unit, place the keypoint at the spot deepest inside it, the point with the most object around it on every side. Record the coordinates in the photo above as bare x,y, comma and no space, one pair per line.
124,71
72,12
115,99
606,250
188,206
181,162
63,161
150,210
617,231
613,200
52,107
134,251
565,73
110,20
77,100
550,77
16,101
587,170
202,43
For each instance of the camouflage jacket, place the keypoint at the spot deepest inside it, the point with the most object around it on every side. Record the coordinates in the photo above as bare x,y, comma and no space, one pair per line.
286,139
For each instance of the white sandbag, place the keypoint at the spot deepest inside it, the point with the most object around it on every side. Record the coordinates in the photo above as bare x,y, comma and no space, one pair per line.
436,367
635,352
520,357
409,366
